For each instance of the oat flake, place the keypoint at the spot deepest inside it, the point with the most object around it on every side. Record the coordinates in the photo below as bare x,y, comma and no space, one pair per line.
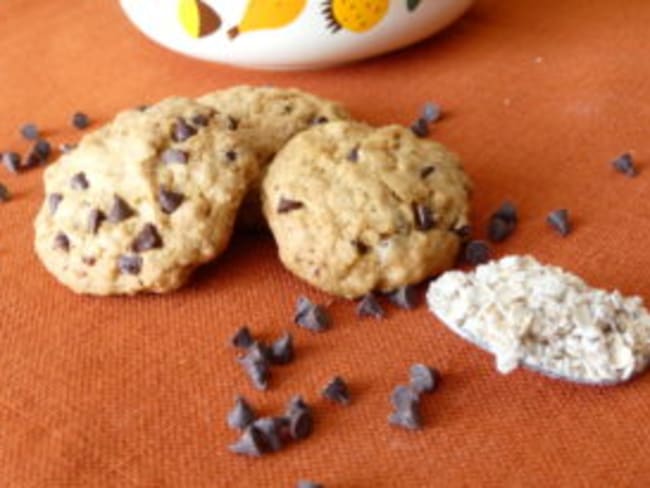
545,318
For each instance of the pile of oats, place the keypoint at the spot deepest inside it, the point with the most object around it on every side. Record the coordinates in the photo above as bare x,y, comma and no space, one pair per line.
544,318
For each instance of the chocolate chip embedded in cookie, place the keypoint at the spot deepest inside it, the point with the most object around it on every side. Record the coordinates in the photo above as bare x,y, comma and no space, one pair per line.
384,218
143,200
267,118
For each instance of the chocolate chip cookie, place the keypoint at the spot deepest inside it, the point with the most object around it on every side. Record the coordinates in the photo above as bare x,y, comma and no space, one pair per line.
355,208
144,200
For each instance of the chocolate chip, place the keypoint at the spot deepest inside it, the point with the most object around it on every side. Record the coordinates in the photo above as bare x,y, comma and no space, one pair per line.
53,201
120,210
426,171
181,130
353,154
431,112
142,108
80,120
201,120
270,428
257,367
88,261
62,242
477,252
308,484
79,181
11,161
169,201
32,159
281,351
464,232
559,220
231,156
67,147
404,397
498,229
174,156
424,219
129,264
625,164
321,119
95,219
508,212
362,247
337,391
242,338
301,425
147,239
43,148
296,405
233,123
423,379
5,195
404,297
242,414
368,306
29,131
311,316
251,443
285,205
420,127
409,418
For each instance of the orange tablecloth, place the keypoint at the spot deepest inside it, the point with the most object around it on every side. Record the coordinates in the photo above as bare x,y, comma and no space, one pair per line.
133,391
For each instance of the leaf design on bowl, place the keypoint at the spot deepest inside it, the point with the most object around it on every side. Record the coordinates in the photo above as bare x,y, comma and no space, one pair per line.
198,18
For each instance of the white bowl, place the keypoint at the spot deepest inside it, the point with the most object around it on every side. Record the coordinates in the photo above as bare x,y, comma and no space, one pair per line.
290,34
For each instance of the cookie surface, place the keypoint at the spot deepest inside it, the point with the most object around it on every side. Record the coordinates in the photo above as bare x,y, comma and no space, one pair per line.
354,208
267,118
143,200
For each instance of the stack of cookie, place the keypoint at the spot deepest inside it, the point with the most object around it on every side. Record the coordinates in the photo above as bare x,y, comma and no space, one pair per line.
155,193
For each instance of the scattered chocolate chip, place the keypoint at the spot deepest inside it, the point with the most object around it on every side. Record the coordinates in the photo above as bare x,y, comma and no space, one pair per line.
625,164
353,154
62,242
67,147
477,252
169,201
368,306
337,391
426,171
498,229
423,216
5,195
129,264
147,239
281,351
405,297
431,112
285,205
301,425
242,338
308,484
409,418
231,155
296,404
201,120
32,159
311,316
362,247
420,127
43,148
257,367
559,220
251,443
404,397
79,182
53,201
174,156
95,219
80,120
233,123
29,131
120,210
423,379
181,130
321,119
270,428
11,161
88,260
508,212
242,414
